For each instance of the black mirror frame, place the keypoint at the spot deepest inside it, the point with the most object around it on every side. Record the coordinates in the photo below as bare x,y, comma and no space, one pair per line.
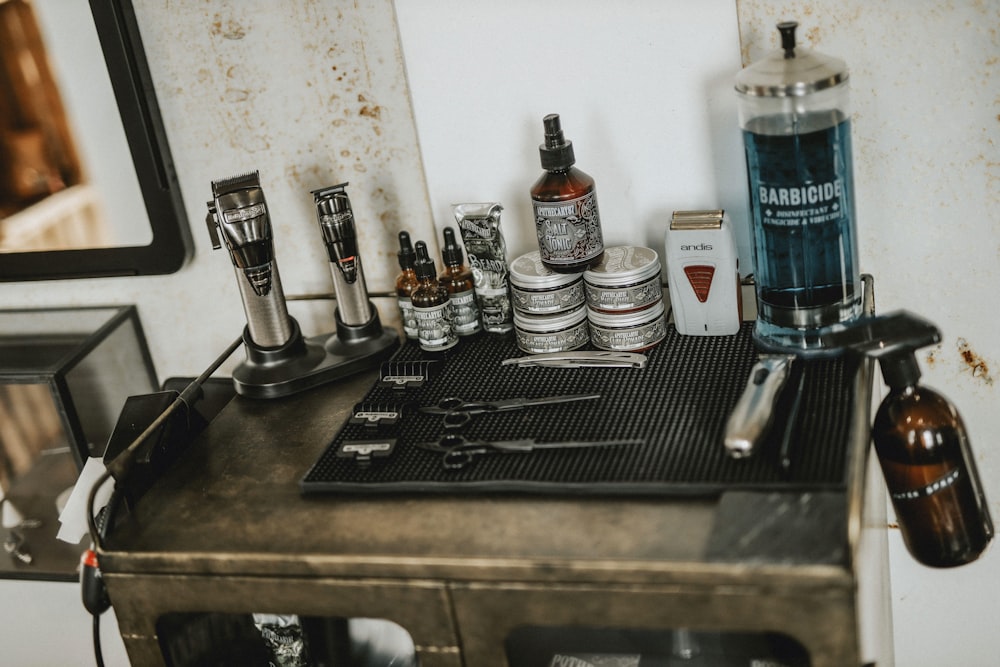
172,245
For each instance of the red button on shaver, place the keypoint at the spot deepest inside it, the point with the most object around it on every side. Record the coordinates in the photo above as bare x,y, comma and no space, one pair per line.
700,277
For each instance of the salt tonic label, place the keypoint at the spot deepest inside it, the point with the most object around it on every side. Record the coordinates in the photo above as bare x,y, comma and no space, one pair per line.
569,231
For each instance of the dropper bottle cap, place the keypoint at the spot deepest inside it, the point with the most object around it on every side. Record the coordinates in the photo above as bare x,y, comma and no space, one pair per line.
406,255
451,253
556,153
424,265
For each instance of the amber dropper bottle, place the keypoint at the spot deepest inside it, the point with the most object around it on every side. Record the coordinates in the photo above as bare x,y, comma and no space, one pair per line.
406,282
457,279
929,469
564,200
431,305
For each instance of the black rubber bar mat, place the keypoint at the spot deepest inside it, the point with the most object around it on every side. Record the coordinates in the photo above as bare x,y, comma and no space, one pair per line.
676,406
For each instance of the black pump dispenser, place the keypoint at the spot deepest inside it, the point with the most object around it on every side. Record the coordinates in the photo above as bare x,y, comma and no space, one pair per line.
556,153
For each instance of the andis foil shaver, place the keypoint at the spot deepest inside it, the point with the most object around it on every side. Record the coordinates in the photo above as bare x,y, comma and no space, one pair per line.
238,214
703,273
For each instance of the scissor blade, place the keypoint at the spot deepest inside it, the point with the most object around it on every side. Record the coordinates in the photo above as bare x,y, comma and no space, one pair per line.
515,403
578,444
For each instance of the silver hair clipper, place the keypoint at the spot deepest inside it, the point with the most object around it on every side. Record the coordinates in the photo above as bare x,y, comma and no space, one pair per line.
238,214
336,221
280,361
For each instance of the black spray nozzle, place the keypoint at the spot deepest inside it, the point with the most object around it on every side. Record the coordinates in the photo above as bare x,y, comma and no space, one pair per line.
406,255
787,30
451,253
424,265
556,152
893,339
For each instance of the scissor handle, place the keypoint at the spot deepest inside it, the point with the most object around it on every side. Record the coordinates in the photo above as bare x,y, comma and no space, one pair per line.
461,456
456,404
456,420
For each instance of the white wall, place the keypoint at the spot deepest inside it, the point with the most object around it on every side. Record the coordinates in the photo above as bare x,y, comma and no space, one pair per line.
253,85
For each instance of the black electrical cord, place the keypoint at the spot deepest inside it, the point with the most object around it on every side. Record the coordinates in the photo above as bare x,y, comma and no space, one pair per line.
118,469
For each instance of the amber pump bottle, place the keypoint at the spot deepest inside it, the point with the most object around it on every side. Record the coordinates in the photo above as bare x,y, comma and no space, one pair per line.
457,279
921,444
929,469
564,200
406,282
431,305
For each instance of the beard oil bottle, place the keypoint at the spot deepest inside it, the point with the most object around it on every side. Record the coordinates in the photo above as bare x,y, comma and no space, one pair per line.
929,470
564,200
457,279
431,306
406,282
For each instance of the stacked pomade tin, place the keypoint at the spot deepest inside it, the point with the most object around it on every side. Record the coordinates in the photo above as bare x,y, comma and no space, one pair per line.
616,304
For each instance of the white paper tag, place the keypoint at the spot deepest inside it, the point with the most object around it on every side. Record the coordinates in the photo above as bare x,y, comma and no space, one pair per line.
73,518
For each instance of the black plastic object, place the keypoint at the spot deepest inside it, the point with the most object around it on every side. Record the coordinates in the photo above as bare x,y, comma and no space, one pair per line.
304,363
677,406
93,592
160,449
557,152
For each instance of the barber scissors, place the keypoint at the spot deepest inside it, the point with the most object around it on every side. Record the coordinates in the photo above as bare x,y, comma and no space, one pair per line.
458,411
457,453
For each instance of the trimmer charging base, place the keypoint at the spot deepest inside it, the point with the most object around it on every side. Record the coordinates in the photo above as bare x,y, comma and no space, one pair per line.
303,363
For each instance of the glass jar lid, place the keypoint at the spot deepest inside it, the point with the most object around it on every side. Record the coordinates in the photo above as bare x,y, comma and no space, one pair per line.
623,265
528,272
791,71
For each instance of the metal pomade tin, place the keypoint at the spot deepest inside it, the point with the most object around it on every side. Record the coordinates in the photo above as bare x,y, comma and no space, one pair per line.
632,332
627,278
537,334
536,290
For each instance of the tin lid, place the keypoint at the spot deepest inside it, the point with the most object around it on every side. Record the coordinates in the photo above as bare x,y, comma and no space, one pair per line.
625,320
623,265
791,71
528,272
549,323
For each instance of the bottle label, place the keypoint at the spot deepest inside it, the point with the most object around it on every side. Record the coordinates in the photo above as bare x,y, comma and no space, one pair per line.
934,487
435,327
569,232
465,313
409,317
802,203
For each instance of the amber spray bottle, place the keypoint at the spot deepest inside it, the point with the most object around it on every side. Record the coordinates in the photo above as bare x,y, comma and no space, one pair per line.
457,279
923,448
564,200
431,305
406,282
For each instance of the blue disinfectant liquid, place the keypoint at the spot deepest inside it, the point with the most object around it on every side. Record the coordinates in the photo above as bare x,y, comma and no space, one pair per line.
805,243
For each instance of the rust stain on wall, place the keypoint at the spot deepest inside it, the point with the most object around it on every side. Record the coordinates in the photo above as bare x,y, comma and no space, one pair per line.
228,29
975,363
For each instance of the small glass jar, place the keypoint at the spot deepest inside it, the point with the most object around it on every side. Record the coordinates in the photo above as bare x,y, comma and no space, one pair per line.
632,332
626,279
537,290
538,334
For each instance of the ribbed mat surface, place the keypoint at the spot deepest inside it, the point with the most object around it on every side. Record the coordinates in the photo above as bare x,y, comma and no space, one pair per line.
677,406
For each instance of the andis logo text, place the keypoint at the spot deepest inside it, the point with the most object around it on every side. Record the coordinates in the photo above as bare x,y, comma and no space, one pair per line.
700,246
